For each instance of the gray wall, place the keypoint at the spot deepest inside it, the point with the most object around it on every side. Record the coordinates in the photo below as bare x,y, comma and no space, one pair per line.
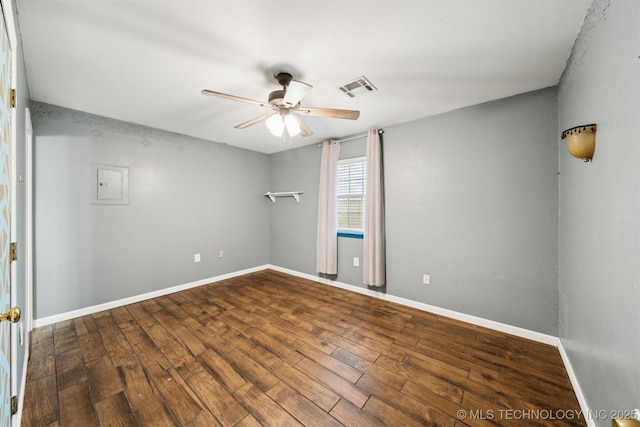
188,196
471,200
294,225
600,209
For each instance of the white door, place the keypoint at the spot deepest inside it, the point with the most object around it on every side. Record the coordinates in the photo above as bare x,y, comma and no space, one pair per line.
5,224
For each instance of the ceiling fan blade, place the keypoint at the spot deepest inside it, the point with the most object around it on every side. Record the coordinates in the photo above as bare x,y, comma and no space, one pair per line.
233,97
330,112
304,129
295,92
255,121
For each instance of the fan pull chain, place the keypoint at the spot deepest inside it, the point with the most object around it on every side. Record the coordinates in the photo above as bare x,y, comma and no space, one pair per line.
286,146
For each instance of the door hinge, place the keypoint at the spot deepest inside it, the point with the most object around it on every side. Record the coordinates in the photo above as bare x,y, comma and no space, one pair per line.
14,405
13,251
12,98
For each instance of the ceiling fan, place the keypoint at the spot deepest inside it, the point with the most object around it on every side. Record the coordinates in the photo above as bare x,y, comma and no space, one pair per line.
285,104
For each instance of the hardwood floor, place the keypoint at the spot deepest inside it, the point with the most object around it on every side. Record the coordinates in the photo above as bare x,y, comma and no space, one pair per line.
272,349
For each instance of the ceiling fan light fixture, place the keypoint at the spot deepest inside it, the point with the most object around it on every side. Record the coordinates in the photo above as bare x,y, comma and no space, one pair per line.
292,125
275,124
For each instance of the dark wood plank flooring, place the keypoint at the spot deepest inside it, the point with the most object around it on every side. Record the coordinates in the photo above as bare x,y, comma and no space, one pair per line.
272,349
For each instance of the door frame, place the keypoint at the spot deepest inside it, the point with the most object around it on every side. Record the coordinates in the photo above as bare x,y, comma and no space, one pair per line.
28,235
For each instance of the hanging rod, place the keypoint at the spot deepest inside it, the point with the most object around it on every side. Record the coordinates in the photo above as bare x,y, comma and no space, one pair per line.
358,136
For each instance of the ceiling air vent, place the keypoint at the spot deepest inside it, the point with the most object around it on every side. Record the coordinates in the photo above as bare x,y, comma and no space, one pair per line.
358,86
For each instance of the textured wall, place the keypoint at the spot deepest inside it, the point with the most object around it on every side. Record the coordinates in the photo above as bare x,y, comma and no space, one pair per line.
294,225
472,200
600,209
187,196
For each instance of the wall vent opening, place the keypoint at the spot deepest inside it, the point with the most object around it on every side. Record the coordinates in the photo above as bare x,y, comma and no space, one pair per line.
358,86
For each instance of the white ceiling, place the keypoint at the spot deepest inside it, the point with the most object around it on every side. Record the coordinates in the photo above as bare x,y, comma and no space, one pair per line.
146,61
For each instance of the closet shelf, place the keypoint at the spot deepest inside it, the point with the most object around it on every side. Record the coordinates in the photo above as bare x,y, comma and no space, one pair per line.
294,194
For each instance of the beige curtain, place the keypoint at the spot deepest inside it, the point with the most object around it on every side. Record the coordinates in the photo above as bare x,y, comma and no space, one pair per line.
374,263
327,254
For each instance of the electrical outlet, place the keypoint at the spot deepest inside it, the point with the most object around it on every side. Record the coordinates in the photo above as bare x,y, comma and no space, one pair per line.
196,258
425,279
356,261
220,254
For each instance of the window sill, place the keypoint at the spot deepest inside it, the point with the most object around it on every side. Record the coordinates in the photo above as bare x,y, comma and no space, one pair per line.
351,234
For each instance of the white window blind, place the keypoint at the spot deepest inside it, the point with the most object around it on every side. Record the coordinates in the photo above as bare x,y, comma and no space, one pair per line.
351,186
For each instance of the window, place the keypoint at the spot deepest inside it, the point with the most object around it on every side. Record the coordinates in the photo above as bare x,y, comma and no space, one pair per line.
351,185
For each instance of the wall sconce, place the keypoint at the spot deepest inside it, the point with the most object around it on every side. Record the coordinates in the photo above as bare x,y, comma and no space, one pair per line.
581,141
625,422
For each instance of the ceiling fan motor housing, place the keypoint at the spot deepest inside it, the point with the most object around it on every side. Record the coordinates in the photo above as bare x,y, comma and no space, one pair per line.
275,97
283,78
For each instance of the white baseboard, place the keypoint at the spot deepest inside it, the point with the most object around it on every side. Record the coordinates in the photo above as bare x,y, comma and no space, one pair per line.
502,327
479,321
582,400
137,298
